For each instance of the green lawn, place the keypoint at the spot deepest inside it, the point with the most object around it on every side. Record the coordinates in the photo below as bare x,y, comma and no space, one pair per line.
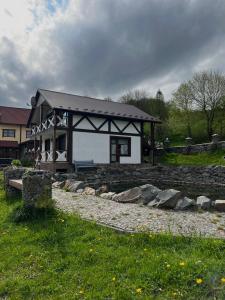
201,159
63,257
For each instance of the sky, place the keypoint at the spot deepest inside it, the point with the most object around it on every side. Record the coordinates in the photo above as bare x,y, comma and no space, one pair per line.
106,48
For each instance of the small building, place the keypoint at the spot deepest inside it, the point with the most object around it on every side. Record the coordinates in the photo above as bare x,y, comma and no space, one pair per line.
72,128
13,132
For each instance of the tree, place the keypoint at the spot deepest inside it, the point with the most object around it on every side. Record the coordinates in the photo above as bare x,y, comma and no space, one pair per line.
182,99
207,90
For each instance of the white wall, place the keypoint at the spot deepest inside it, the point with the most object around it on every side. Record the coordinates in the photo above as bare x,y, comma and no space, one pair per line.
96,146
88,146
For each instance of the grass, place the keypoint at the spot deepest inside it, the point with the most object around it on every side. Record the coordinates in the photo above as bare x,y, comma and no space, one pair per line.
200,159
64,257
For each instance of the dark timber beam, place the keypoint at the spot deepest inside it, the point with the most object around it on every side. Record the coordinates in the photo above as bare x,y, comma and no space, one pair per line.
54,138
70,138
152,152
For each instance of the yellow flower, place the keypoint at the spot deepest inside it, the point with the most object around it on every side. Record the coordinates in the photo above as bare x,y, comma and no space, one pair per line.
168,266
199,280
145,249
114,279
91,250
182,263
62,220
222,280
174,294
81,292
139,291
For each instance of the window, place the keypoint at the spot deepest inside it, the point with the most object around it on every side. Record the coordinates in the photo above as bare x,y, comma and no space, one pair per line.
8,132
119,147
28,134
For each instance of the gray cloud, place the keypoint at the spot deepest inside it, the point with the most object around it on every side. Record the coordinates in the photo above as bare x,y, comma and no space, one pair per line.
118,45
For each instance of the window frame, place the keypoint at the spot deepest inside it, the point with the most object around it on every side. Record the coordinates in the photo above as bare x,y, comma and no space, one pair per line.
119,138
27,130
5,130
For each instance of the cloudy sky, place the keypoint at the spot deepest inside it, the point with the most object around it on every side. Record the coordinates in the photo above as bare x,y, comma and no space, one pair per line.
105,48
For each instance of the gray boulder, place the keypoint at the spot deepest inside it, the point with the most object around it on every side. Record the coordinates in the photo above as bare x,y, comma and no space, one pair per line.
107,196
133,195
184,203
168,198
72,185
149,192
219,205
153,203
203,202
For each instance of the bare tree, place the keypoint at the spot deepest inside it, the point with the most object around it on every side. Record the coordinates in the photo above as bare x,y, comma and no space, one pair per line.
182,99
207,90
135,95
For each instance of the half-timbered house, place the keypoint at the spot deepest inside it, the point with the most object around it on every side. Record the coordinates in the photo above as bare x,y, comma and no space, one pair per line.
77,128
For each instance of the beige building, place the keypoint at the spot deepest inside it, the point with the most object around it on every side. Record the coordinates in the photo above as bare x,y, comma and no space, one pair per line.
13,131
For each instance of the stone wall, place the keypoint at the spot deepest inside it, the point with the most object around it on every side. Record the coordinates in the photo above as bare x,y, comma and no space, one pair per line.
209,181
191,149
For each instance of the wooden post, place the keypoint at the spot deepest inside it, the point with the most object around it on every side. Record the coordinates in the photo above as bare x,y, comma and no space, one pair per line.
54,139
152,143
70,138
142,139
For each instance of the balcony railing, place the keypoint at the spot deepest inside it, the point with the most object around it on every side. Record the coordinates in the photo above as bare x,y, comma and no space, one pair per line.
48,123
47,156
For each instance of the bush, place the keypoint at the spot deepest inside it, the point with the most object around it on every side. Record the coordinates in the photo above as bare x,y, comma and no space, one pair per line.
16,163
26,162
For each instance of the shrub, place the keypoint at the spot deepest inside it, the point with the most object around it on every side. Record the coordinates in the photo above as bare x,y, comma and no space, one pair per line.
16,163
26,162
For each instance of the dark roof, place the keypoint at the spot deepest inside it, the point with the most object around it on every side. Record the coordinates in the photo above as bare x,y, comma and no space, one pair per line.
9,144
94,106
14,115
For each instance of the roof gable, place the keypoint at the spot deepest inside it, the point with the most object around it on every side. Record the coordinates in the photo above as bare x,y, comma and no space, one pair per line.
14,115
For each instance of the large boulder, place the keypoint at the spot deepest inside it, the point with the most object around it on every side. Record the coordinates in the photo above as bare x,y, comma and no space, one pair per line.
89,191
184,203
107,196
203,202
133,195
149,192
219,205
73,185
168,198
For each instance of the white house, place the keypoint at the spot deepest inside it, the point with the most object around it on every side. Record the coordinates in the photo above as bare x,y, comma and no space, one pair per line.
68,128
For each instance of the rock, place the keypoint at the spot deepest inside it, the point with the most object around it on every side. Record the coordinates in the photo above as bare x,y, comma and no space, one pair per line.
80,191
133,195
220,205
58,184
168,198
149,192
102,189
203,202
108,195
153,203
184,203
72,185
89,191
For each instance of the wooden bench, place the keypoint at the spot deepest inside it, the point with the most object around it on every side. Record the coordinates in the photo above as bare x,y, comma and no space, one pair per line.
84,164
16,183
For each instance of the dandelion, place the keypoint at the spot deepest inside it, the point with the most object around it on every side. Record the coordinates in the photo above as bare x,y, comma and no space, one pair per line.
168,266
139,291
174,294
81,292
62,220
182,263
145,249
199,280
222,280
114,279
91,250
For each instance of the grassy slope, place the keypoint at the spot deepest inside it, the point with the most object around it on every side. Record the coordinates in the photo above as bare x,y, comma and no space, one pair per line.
204,159
67,258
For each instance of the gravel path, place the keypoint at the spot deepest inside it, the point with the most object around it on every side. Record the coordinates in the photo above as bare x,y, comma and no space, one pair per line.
133,217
